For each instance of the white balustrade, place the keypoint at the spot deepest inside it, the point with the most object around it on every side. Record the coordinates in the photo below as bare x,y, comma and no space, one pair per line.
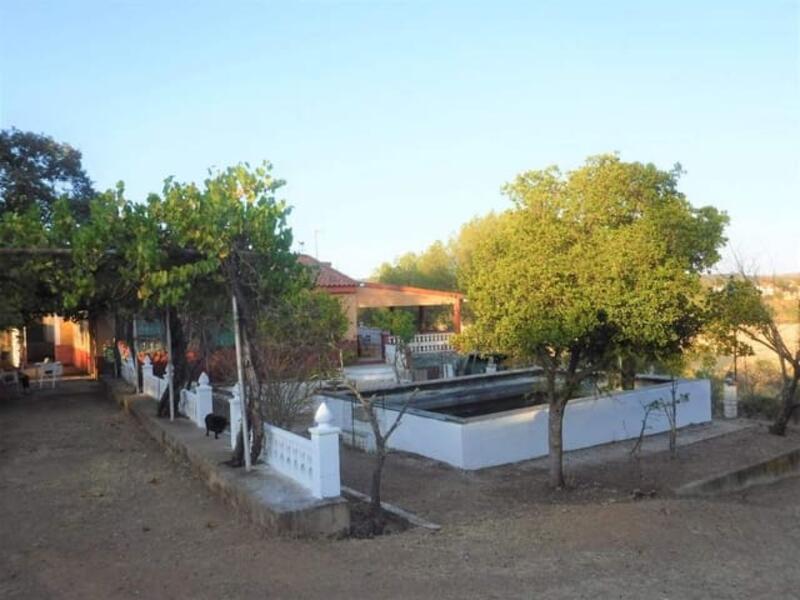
313,463
197,402
151,385
424,343
289,454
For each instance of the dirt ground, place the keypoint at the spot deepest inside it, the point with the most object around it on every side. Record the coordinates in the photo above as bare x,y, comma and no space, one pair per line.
91,508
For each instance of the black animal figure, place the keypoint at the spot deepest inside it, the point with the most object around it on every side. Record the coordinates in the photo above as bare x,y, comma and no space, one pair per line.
216,424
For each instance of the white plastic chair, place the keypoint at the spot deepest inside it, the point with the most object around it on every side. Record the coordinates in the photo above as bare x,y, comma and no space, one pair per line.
51,371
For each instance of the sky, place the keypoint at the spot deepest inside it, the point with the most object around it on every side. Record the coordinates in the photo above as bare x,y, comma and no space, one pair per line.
394,123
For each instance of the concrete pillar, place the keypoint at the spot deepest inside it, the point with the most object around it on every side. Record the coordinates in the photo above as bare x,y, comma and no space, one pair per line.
235,415
325,477
205,401
457,315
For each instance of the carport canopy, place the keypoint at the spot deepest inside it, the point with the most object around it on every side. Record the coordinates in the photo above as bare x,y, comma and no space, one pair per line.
384,295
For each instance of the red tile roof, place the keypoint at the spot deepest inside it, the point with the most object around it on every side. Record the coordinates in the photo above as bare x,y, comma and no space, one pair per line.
327,276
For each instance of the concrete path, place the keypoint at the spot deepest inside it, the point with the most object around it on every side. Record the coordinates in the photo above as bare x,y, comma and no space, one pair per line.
90,507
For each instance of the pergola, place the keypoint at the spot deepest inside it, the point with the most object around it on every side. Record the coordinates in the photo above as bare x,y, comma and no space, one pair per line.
384,295
355,295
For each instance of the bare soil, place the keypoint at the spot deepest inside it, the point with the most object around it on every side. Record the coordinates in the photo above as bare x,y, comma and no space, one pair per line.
361,521
90,507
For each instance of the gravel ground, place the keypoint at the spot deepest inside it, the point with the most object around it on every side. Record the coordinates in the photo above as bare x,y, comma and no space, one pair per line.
91,508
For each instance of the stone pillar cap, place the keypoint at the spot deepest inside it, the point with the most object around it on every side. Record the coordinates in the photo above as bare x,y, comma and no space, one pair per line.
323,416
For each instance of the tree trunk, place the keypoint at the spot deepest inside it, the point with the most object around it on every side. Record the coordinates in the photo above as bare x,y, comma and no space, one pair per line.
117,335
555,424
129,341
180,365
673,430
627,372
789,404
672,417
378,522
257,433
252,383
555,441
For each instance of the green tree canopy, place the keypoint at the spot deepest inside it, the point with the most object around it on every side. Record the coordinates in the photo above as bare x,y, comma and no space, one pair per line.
588,266
740,318
33,282
36,170
44,192
433,268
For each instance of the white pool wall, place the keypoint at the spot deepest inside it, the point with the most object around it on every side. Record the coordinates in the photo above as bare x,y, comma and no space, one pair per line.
522,434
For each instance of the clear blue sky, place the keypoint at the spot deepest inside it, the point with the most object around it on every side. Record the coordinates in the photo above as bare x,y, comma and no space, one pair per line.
395,122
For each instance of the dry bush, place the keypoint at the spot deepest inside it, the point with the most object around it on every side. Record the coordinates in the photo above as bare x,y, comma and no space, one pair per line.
759,384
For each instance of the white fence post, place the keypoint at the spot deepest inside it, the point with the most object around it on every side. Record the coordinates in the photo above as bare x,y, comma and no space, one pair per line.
204,403
235,415
147,374
325,478
186,403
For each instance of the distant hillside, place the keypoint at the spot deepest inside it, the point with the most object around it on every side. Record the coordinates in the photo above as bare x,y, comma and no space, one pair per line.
781,292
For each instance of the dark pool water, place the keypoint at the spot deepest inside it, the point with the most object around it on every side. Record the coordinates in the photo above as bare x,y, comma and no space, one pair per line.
487,406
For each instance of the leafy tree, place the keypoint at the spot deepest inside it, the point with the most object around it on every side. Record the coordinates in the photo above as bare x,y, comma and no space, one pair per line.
36,170
443,266
740,318
462,247
227,238
433,268
589,266
44,191
298,347
99,250
34,258
180,252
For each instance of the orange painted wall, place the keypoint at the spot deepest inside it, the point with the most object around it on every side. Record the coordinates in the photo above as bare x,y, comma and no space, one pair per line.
74,345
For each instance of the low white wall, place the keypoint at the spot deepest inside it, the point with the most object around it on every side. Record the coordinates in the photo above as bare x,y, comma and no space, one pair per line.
590,421
198,401
151,385
522,434
506,438
442,439
431,437
128,371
